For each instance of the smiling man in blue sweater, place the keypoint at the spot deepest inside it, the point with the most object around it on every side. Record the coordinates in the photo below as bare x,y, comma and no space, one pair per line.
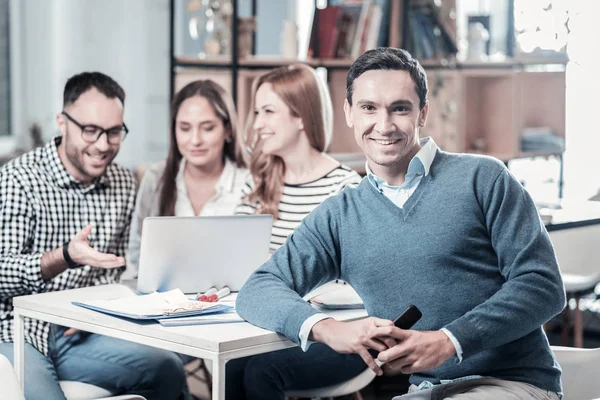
454,234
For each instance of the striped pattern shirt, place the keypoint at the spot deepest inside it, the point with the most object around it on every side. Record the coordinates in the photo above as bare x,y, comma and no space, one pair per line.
42,207
297,201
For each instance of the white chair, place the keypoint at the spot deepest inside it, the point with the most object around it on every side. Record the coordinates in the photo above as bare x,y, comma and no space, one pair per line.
578,256
85,391
11,389
580,372
336,293
352,386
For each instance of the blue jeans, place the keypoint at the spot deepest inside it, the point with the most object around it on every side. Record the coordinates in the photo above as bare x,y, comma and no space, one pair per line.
114,364
268,376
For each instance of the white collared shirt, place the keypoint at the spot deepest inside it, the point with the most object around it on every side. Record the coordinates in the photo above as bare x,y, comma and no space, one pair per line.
229,192
418,167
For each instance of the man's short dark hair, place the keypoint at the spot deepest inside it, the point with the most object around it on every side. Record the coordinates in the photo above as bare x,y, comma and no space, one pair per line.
81,83
388,58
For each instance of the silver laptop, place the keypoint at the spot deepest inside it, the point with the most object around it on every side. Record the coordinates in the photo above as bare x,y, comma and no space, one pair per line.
195,253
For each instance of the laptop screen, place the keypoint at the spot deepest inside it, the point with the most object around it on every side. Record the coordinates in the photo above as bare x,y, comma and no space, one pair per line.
196,253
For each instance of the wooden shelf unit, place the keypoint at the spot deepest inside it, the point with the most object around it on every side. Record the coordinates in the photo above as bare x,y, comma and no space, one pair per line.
479,107
264,62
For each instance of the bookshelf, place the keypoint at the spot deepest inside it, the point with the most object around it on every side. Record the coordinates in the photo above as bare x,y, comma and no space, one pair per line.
261,62
479,107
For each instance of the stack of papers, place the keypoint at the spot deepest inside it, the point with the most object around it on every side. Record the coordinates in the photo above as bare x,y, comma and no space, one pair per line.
219,318
338,297
171,304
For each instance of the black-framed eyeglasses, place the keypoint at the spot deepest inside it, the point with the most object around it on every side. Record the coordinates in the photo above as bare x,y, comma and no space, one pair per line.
91,133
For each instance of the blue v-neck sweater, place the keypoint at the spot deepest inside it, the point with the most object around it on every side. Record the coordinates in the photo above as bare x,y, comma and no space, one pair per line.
467,248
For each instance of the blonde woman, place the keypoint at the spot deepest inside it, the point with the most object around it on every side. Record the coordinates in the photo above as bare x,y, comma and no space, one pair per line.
288,131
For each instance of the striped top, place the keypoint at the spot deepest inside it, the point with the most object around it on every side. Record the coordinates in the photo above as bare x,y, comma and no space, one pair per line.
297,201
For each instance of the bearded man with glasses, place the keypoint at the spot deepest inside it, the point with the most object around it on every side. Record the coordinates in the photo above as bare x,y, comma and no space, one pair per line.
65,210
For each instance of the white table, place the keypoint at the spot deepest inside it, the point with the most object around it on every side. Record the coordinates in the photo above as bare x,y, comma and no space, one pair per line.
218,343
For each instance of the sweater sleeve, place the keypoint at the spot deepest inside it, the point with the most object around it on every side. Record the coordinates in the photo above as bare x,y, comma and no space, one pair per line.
309,258
533,291
144,203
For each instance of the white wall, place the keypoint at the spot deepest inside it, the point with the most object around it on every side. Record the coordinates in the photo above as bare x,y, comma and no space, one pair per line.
582,139
127,40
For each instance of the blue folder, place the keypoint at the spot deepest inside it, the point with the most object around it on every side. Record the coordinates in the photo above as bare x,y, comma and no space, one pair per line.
221,308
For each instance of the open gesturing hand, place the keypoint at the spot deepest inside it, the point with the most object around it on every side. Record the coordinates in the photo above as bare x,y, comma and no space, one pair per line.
82,253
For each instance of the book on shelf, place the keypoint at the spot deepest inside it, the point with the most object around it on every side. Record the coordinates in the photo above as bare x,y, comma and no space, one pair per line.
373,35
429,35
325,32
347,29
358,41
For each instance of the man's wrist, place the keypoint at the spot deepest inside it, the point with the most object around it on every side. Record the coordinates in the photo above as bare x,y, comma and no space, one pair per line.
449,347
455,343
68,260
319,330
52,263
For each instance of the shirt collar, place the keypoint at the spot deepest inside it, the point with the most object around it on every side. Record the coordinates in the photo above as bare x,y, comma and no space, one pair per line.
59,173
224,184
420,162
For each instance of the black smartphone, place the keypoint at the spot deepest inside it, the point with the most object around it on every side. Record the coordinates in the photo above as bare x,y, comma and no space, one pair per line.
408,318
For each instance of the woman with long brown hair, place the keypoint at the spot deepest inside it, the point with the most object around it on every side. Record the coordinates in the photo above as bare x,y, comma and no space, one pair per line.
287,132
204,172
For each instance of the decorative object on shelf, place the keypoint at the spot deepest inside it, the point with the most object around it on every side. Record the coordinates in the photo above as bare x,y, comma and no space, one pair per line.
479,145
541,139
478,39
246,25
210,23
289,39
485,20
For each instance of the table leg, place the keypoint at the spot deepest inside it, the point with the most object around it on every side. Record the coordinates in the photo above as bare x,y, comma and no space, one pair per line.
19,347
218,387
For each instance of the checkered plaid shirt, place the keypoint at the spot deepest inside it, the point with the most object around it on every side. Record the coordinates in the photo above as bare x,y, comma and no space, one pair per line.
41,208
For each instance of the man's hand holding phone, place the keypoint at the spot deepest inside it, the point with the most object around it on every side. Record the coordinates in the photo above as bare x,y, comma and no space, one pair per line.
415,351
360,336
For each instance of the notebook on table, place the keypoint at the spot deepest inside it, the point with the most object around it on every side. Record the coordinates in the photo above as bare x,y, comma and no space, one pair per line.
172,304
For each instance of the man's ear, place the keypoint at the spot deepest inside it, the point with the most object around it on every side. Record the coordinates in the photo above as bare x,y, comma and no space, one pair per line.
423,115
348,113
61,121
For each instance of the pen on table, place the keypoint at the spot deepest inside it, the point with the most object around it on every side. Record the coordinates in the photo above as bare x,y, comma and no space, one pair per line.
221,293
204,296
